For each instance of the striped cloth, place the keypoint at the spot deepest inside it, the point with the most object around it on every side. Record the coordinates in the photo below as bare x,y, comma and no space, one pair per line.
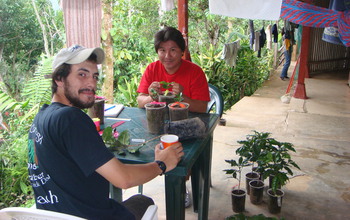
314,16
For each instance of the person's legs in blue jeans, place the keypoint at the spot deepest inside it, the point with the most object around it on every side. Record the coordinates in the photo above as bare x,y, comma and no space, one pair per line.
287,57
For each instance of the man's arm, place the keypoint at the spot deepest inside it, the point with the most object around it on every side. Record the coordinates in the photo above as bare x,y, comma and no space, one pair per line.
143,99
128,175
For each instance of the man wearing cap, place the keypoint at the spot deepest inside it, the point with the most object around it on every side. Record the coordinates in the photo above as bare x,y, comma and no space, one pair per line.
69,166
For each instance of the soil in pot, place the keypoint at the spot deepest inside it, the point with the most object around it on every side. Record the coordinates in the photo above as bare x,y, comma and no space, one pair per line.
249,177
238,200
275,201
155,113
256,191
178,111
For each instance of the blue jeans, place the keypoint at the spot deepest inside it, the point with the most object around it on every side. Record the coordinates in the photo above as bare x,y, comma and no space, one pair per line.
287,57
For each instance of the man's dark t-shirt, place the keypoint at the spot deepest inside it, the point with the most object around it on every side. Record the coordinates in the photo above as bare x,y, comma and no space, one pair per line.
64,150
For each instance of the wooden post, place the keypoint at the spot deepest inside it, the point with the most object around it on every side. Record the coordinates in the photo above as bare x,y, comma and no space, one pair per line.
300,92
182,17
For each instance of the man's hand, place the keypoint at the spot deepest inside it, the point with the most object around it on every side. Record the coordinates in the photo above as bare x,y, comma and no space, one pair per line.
171,156
154,89
177,88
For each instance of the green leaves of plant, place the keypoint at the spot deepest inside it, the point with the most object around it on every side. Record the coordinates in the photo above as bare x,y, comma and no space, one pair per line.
121,144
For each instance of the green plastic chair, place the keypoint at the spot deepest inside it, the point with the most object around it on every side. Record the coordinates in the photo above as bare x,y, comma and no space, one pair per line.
216,102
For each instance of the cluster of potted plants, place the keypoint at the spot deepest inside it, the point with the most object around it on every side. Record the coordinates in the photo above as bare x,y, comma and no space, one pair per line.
168,106
268,158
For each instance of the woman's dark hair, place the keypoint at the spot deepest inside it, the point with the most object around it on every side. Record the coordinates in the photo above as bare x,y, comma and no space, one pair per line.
169,33
62,72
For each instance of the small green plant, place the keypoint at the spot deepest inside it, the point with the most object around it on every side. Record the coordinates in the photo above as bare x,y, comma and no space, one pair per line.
241,216
121,143
272,157
237,173
278,163
166,86
254,147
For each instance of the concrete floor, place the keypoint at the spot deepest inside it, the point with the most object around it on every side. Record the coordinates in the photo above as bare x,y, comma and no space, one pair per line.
319,129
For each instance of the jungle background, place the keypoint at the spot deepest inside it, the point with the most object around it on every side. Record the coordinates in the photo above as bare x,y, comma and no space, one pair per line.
32,32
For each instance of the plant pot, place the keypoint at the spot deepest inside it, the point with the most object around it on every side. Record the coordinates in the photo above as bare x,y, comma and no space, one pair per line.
238,200
155,114
255,169
169,98
249,177
275,201
178,111
256,191
98,110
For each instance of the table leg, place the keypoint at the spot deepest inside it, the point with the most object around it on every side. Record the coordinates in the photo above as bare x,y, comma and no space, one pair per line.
116,193
175,190
200,180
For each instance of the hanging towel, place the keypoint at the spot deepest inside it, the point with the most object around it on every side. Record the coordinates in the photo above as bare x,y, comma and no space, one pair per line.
167,5
250,9
257,41
268,37
230,52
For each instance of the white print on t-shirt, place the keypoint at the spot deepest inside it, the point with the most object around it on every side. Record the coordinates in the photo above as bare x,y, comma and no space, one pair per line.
50,199
32,166
38,136
41,178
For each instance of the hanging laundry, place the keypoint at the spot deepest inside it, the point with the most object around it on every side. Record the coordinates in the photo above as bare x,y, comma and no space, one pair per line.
262,41
274,33
268,37
313,16
252,34
250,9
256,41
230,52
167,5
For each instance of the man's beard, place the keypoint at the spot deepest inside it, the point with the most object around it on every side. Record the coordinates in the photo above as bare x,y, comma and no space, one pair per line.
75,101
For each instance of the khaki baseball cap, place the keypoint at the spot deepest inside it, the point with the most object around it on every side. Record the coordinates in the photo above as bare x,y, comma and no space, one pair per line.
77,54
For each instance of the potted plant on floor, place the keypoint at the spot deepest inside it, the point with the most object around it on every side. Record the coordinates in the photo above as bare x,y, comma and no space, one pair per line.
276,164
251,149
237,194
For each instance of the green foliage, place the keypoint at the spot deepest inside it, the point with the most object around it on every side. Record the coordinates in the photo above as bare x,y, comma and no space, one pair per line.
241,216
121,144
127,93
234,82
240,164
15,188
271,156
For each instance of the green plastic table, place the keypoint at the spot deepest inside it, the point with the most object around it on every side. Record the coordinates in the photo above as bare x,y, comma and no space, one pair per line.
197,162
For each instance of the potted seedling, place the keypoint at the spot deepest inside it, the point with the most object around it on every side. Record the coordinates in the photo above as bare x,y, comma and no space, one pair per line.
167,96
251,149
178,111
277,165
237,194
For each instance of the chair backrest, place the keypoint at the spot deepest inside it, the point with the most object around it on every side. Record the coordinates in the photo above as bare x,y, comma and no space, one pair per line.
21,213
216,100
151,213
